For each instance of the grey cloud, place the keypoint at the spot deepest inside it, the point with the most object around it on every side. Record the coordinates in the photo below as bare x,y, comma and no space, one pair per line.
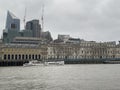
89,19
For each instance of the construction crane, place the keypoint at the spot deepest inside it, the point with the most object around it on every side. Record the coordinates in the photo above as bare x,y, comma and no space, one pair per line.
24,20
42,17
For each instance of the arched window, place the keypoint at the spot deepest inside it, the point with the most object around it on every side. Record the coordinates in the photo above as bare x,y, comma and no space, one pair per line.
39,56
5,57
15,57
26,56
22,57
12,57
36,57
8,56
33,57
29,56
19,57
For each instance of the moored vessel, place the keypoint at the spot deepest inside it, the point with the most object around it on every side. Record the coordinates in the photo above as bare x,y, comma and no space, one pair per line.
54,63
33,63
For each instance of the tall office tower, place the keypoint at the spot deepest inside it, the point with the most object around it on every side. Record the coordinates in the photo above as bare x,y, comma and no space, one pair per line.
12,22
35,27
12,28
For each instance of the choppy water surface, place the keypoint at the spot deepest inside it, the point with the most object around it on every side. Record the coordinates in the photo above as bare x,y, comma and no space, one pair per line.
67,77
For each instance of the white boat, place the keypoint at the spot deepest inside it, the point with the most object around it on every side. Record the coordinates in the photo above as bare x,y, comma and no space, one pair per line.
33,63
39,63
54,63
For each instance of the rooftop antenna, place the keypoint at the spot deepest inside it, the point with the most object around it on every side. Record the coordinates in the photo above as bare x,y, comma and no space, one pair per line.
24,20
42,17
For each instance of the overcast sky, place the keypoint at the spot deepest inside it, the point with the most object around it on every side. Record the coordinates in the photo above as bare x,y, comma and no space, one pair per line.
97,20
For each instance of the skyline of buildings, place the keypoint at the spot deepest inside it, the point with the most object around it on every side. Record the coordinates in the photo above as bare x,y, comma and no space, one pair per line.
81,21
32,29
32,43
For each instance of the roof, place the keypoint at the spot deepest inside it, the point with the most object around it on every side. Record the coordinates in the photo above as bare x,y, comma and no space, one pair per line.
12,15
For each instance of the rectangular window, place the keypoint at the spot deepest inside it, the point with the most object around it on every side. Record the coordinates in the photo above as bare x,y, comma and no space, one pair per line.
13,26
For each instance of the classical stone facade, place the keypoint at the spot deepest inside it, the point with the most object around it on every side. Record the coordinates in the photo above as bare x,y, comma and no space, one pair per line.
14,52
84,50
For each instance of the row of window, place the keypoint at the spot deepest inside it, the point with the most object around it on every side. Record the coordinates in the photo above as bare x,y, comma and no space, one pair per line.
79,57
84,52
21,57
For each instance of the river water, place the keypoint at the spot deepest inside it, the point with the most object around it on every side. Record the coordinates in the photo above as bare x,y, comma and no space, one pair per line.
67,77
